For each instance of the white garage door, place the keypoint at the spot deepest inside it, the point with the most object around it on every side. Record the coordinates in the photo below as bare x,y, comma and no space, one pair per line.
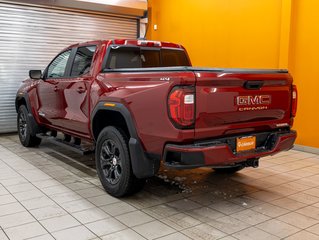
30,37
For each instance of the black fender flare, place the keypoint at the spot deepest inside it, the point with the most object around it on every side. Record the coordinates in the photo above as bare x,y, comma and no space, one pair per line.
34,126
143,165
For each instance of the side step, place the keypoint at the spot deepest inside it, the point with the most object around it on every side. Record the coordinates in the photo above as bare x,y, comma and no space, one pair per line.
80,149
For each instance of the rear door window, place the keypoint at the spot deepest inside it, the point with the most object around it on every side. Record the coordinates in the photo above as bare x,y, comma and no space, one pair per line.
83,60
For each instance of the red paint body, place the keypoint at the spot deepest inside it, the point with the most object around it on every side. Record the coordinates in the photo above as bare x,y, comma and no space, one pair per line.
68,104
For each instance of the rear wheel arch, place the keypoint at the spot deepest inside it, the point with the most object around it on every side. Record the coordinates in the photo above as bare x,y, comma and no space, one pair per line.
120,117
106,116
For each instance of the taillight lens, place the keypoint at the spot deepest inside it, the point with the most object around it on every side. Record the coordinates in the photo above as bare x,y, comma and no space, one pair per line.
294,100
181,106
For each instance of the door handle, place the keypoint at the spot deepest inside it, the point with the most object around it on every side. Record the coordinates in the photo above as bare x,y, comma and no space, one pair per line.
55,89
80,90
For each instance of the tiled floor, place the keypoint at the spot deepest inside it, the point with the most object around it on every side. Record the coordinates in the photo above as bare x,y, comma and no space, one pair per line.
49,193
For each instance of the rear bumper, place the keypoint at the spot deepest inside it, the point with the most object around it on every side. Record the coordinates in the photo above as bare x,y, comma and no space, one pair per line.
220,153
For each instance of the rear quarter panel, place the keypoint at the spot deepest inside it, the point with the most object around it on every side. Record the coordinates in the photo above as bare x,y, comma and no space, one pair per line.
145,96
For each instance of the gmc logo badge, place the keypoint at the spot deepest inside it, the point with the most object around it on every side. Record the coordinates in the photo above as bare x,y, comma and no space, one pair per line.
253,100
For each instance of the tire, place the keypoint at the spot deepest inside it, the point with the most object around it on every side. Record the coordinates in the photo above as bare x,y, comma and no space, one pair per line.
228,170
113,163
24,129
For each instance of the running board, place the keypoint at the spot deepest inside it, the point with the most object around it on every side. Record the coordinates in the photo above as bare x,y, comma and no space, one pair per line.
67,145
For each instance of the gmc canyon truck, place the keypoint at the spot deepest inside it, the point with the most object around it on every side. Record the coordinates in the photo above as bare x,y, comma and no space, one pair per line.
141,102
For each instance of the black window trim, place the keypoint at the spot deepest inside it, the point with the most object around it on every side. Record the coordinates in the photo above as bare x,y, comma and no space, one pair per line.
112,46
73,59
69,65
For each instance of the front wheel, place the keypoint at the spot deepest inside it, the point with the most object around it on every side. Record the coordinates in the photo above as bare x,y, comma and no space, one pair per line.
113,163
24,129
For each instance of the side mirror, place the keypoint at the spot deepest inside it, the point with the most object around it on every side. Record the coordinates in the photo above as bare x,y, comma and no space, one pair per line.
35,74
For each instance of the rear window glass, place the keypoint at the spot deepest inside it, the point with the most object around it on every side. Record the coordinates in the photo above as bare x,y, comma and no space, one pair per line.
133,57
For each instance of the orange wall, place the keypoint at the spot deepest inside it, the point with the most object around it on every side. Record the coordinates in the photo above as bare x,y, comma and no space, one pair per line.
221,33
249,34
304,66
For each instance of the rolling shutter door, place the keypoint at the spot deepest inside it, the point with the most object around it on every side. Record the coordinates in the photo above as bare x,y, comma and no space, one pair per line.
31,36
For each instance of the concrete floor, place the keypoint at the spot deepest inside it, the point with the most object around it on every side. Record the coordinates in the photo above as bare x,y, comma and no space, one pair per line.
50,193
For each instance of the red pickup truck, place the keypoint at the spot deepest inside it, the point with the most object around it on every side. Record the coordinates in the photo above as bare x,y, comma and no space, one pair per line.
141,102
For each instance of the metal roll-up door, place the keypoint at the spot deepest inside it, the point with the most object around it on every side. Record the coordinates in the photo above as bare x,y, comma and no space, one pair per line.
31,36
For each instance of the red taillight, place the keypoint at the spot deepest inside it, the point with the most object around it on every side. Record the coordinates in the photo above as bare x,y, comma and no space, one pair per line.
294,100
181,106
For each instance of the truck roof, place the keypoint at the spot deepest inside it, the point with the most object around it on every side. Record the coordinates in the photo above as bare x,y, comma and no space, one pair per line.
134,42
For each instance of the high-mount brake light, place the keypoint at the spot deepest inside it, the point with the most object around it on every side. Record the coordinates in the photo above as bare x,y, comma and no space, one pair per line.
181,106
294,100
149,43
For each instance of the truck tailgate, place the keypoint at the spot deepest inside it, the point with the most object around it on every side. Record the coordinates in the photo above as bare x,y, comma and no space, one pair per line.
230,102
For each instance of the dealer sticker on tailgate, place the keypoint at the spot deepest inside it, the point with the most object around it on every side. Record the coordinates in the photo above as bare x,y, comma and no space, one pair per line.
245,143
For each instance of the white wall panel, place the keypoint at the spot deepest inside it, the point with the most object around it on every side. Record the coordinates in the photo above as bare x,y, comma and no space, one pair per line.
30,37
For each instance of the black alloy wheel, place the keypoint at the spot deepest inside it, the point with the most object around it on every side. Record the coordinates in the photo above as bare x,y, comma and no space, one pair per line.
26,137
110,158
113,163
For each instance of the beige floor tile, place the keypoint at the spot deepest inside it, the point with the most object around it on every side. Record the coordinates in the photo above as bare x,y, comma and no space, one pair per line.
79,185
310,211
227,207
23,196
126,234
160,211
246,201
3,191
65,197
228,224
90,215
312,191
78,233
39,202
303,235
153,230
11,208
183,205
288,204
5,199
59,223
91,192
304,198
134,218
77,205
48,212
254,234
251,217
53,190
314,229
21,188
270,210
105,226
16,219
266,195
43,237
46,183
117,208
175,236
205,214
3,236
298,220
204,232
278,228
103,200
180,221
25,231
